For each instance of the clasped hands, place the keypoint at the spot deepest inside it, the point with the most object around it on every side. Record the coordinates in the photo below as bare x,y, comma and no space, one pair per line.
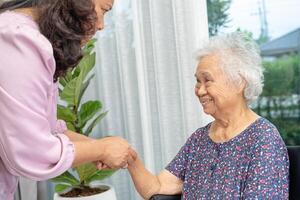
117,153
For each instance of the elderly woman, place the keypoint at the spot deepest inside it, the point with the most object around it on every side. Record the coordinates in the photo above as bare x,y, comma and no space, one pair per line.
239,155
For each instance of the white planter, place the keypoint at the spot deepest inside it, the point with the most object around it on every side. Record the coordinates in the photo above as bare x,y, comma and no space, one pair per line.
110,194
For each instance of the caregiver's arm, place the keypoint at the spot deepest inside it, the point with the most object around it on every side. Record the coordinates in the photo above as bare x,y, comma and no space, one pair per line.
73,136
148,184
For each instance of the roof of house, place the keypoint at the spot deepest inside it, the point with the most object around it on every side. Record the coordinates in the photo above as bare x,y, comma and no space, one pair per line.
287,43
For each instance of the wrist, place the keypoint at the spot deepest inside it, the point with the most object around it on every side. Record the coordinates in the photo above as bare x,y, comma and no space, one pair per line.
134,164
99,148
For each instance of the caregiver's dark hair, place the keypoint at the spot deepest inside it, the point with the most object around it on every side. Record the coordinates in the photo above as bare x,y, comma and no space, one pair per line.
66,24
10,5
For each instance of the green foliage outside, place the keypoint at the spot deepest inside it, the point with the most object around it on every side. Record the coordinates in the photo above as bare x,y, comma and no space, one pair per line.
280,100
80,117
217,15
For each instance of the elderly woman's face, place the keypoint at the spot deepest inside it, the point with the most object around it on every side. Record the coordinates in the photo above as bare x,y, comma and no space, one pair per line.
214,90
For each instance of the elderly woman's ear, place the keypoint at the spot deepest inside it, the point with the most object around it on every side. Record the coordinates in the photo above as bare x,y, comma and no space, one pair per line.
242,86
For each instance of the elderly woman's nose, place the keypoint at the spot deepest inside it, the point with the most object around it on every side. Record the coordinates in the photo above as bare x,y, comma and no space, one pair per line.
200,90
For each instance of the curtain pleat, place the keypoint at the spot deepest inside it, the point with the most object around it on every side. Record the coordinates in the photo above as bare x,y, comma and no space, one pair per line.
145,79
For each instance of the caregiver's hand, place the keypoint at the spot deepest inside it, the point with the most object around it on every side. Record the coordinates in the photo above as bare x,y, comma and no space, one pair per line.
116,153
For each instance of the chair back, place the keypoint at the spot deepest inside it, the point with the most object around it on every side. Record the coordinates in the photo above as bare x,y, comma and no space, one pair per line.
294,157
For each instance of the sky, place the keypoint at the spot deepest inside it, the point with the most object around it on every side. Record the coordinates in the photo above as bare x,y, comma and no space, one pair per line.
282,16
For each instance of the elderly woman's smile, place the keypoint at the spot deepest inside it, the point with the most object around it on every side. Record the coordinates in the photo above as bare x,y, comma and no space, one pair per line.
205,101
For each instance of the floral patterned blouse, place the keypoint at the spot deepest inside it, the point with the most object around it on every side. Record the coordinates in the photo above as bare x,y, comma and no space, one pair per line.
252,165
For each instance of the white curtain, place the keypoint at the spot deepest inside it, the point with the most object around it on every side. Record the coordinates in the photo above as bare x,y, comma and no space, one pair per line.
145,79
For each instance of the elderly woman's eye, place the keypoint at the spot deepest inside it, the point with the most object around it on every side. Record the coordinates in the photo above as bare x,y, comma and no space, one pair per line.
208,80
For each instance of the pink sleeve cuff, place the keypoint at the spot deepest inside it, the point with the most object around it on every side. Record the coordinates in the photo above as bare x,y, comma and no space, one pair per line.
61,126
65,162
67,156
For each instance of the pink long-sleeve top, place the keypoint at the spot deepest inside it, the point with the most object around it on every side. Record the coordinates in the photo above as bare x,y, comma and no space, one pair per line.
32,143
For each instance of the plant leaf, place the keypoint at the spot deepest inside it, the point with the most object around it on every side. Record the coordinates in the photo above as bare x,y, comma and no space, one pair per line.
68,93
88,111
65,114
70,126
86,65
62,81
78,87
86,170
94,123
100,175
68,75
66,178
76,72
71,89
89,46
61,188
84,87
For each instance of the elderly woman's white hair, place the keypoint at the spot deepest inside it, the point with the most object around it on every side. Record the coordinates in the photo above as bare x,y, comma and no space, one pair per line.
240,60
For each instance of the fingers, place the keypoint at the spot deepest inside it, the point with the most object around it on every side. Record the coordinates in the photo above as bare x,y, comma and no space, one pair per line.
132,156
117,165
105,167
125,166
100,166
132,153
117,153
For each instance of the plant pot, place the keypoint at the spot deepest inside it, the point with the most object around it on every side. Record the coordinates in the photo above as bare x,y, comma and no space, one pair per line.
110,194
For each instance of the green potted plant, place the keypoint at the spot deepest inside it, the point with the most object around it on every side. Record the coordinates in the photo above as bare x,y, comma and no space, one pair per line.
82,182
